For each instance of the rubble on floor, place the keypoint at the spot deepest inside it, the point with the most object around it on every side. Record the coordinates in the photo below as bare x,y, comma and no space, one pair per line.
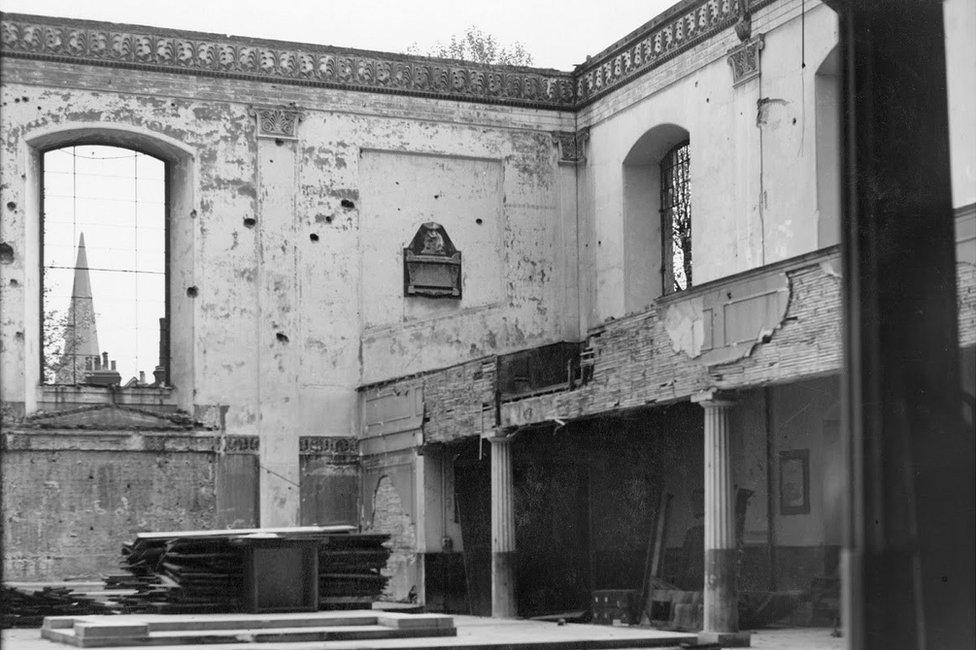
27,608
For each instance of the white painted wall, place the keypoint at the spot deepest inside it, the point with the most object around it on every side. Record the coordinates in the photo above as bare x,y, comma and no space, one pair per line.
753,165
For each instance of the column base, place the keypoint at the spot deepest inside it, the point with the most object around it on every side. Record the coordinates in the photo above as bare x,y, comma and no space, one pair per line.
503,585
726,639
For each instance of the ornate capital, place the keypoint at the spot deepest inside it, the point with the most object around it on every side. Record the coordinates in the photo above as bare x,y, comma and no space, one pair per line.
572,145
278,122
713,397
744,60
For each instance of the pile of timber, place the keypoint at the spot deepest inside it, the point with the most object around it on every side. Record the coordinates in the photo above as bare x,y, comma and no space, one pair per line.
179,575
22,608
203,571
350,569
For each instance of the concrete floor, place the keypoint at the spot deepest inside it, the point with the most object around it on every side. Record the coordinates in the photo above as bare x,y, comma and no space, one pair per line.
475,632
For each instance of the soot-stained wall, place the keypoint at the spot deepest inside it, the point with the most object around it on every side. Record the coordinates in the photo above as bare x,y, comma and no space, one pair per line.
67,513
586,499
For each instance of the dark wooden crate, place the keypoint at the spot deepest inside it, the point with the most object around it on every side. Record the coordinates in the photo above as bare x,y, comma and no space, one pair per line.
611,605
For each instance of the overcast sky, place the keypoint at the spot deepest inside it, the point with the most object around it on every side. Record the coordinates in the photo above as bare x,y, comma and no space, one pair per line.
558,33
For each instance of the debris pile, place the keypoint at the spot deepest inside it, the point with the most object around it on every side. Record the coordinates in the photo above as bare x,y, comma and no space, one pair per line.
22,608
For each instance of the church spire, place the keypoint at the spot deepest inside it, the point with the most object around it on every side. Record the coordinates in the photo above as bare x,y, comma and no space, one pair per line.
81,352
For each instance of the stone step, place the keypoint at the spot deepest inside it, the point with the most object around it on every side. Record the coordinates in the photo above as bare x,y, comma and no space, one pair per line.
150,630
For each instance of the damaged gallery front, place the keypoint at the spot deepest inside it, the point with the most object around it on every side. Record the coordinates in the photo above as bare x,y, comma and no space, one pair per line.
555,333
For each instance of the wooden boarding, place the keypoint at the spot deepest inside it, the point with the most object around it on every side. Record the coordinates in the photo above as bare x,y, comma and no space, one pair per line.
293,531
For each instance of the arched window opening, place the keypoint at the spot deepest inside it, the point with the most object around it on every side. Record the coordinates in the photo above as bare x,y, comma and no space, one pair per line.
652,194
104,268
676,217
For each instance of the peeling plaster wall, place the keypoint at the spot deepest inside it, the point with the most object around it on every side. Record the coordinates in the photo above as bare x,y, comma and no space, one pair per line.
275,341
514,270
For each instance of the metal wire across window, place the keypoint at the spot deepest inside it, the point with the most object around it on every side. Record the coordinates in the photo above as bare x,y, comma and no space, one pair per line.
676,217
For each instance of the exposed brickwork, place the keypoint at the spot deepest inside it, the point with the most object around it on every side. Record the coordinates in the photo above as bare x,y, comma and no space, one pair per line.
389,517
635,362
460,401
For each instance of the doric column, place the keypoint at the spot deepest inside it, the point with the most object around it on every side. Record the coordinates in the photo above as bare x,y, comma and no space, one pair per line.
720,618
502,530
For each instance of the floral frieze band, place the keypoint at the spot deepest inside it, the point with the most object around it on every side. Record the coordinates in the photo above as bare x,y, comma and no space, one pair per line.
126,46
665,37
95,43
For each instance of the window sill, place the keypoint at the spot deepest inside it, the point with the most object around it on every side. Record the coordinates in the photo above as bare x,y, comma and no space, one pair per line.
56,397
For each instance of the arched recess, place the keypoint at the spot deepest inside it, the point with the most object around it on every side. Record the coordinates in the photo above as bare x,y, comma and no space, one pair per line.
643,245
181,183
827,94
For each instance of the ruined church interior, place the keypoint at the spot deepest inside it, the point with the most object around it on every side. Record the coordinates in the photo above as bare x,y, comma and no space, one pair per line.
565,345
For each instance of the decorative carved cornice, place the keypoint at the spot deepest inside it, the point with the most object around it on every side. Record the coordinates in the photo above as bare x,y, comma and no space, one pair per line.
572,145
673,32
278,122
684,26
149,48
745,60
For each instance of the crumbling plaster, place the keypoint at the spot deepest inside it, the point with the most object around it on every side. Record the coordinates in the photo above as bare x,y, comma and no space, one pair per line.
273,333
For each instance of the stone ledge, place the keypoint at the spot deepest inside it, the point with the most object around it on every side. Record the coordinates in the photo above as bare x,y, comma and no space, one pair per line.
725,639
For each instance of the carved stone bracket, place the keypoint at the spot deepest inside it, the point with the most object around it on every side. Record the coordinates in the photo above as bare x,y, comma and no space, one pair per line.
745,60
572,145
278,122
241,444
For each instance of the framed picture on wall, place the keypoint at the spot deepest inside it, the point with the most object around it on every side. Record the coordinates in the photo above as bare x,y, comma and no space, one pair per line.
794,482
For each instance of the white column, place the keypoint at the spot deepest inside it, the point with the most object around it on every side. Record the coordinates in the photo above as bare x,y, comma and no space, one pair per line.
502,530
720,617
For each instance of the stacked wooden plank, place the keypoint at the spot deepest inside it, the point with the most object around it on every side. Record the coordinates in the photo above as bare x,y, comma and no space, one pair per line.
350,570
202,571
24,608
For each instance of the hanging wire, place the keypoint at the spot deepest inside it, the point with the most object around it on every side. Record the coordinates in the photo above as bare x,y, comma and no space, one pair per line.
78,155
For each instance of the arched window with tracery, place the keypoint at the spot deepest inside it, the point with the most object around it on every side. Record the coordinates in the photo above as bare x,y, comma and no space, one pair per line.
676,217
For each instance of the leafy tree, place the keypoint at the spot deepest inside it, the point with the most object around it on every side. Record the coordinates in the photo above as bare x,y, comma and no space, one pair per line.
476,46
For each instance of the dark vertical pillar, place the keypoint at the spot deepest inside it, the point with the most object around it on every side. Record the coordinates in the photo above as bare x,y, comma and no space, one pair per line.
909,548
